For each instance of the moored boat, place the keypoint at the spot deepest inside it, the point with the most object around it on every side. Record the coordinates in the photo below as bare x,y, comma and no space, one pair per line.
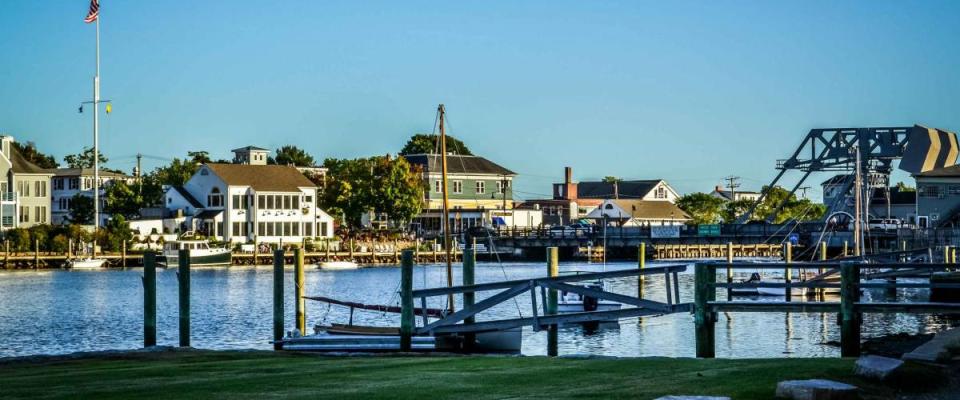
201,254
574,302
339,265
85,263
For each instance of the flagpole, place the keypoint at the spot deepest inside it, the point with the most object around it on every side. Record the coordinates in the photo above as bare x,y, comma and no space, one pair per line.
96,144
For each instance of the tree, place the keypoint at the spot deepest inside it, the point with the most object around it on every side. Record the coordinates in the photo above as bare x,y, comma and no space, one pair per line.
903,187
199,157
84,159
292,155
793,209
115,233
123,200
611,179
81,210
30,153
19,239
423,143
379,184
702,207
177,173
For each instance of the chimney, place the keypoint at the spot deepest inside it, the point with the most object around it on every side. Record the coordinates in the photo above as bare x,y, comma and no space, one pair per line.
569,187
718,189
567,175
5,143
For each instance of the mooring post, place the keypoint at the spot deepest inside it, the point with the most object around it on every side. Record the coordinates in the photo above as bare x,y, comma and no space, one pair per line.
849,318
553,269
642,257
433,249
277,299
396,251
953,255
123,254
469,265
256,250
183,280
149,299
844,248
821,270
946,254
300,288
705,276
729,270
6,254
788,271
36,253
351,248
406,301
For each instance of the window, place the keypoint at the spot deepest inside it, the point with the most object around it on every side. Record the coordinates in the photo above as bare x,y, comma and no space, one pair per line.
36,213
608,206
74,183
26,189
270,229
660,193
296,229
323,229
500,187
308,229
236,202
296,202
930,191
286,229
481,186
457,187
58,184
261,228
261,202
308,200
953,190
269,202
215,199
286,202
438,186
236,229
24,214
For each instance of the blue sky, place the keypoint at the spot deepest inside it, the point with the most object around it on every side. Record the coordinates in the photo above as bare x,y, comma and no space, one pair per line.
686,91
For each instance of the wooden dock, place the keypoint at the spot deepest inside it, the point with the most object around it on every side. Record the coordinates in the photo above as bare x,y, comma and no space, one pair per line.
719,251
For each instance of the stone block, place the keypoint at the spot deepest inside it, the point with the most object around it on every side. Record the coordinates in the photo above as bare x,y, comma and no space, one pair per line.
816,389
876,367
675,397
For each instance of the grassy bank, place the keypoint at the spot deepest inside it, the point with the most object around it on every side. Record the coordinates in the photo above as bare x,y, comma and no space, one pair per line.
235,375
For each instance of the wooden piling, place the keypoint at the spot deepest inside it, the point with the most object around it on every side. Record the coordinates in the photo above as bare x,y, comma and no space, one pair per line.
433,249
277,299
553,269
821,269
704,320
256,250
6,254
149,299
300,291
642,263
406,301
729,270
946,254
183,279
849,318
788,271
396,251
845,248
469,266
36,253
351,248
123,254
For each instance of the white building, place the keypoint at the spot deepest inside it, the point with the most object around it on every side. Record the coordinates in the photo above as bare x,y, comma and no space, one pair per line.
246,203
734,195
69,182
639,213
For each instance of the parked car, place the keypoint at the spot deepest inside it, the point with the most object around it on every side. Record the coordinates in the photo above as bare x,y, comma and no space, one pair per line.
561,231
884,224
481,232
582,227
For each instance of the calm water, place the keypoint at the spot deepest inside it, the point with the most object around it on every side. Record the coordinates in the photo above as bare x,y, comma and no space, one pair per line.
51,312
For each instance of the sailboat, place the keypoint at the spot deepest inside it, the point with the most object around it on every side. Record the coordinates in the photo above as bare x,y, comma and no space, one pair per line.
349,337
93,261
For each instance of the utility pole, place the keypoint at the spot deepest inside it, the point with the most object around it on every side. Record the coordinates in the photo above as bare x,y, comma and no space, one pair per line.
139,174
732,184
803,191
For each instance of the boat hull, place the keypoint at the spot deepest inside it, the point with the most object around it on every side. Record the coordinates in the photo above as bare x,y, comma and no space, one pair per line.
339,265
205,259
86,263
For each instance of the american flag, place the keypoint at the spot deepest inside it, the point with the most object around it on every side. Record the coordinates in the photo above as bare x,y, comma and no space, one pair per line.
94,11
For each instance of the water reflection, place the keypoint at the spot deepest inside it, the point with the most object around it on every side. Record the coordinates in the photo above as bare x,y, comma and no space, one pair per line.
66,311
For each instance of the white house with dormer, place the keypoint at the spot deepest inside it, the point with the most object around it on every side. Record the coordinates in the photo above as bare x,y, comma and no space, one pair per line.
245,203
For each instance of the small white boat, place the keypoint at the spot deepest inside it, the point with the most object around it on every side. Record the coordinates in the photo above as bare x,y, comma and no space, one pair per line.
86,263
574,302
201,254
339,265
770,291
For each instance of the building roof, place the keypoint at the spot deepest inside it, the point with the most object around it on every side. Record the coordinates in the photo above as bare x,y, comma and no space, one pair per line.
248,148
85,172
267,178
952,171
457,164
651,209
21,165
186,195
625,189
208,214
726,194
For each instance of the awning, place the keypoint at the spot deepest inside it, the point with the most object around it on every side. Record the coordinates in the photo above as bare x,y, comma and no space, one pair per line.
498,221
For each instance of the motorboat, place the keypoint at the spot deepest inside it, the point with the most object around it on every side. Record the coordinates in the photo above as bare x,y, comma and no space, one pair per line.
339,265
201,254
574,302
86,263
748,291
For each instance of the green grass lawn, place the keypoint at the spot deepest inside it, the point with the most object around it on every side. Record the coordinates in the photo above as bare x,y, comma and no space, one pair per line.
258,375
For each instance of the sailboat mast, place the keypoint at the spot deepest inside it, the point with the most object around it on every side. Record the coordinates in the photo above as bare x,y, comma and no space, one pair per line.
857,229
96,143
446,204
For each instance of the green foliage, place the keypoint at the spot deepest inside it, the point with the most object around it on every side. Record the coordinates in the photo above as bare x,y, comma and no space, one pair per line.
122,199
379,184
702,207
115,233
794,209
903,187
611,179
177,173
84,159
29,151
199,157
81,210
19,239
423,143
292,155
60,243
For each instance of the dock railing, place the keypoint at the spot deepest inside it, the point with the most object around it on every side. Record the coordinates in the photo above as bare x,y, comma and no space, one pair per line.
849,308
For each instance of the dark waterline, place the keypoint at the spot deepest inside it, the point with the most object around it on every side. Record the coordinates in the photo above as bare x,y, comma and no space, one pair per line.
56,312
